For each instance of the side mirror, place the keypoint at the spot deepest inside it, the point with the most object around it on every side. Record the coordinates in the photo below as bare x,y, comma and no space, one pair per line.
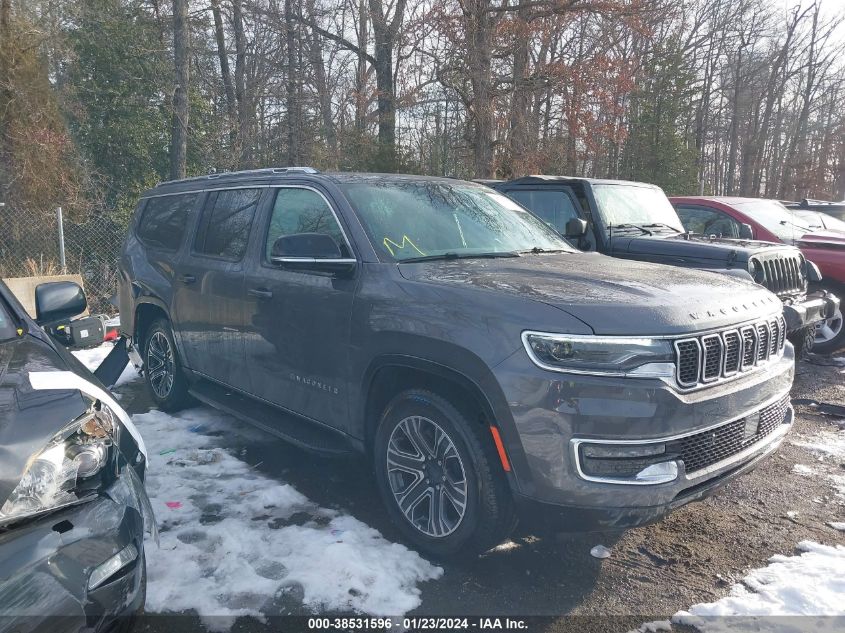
311,251
746,231
576,227
58,301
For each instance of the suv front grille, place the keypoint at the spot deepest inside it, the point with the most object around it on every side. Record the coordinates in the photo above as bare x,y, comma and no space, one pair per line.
783,273
714,445
705,359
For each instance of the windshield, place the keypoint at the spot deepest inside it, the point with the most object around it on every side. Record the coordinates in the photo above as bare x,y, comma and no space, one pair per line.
8,329
775,217
817,220
407,219
634,204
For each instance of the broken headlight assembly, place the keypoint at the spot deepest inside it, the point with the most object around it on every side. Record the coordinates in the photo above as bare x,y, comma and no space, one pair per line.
74,466
601,355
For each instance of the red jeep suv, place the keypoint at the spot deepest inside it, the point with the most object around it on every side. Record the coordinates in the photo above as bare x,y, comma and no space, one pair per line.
771,221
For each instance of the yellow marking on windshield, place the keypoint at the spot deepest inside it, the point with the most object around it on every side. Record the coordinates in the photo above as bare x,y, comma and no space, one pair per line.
406,241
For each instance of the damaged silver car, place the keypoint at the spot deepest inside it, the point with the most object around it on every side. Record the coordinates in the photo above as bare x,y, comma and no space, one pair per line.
73,509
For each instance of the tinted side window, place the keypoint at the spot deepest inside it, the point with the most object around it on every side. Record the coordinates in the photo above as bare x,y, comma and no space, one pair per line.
164,219
226,222
553,207
302,211
708,221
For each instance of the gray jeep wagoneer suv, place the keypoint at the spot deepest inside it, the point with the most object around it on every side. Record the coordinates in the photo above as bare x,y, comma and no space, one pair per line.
489,370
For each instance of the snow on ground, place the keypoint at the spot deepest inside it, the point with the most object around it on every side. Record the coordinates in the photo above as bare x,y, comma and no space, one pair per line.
234,542
828,447
809,584
93,356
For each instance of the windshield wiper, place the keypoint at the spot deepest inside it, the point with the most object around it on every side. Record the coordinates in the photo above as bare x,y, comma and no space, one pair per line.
663,224
451,255
537,250
631,226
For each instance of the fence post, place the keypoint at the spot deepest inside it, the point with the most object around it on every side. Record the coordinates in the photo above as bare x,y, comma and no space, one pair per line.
61,241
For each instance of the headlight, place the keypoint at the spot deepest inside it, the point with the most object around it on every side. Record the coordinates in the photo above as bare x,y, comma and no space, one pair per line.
69,469
601,355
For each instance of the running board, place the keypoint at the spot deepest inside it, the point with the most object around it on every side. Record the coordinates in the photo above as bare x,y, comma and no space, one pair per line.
300,432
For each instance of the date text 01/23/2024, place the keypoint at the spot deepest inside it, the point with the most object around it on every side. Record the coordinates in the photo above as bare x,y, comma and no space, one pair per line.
417,624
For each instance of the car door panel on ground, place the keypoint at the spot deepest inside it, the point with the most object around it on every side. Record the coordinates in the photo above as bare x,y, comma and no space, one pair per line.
297,331
210,293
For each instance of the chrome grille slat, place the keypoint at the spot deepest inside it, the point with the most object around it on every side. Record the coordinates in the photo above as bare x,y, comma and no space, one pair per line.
733,352
782,273
719,355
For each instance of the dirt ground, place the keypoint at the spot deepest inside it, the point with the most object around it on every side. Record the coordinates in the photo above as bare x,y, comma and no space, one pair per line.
692,556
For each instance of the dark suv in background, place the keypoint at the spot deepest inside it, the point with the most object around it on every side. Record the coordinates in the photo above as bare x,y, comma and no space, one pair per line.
488,369
635,220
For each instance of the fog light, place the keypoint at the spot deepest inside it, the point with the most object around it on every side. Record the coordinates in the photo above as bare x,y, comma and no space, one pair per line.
659,473
646,463
113,565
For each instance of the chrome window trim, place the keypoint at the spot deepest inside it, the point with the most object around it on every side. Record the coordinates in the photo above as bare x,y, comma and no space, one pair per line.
313,260
334,215
575,444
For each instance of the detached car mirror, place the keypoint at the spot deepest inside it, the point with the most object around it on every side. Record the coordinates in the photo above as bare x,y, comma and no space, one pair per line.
576,227
58,301
746,231
311,251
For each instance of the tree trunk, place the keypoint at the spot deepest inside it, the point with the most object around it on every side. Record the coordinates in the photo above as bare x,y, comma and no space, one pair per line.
225,71
294,114
385,33
244,140
181,54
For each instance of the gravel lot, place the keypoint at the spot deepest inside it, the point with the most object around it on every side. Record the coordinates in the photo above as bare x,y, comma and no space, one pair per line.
692,556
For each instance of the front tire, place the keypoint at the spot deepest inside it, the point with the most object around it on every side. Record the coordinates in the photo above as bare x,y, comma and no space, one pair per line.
803,341
163,369
440,478
830,334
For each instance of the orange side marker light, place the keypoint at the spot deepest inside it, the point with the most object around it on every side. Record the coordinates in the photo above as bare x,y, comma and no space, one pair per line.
497,439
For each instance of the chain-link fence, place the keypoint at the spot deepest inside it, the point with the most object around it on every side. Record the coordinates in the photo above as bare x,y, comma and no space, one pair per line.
30,246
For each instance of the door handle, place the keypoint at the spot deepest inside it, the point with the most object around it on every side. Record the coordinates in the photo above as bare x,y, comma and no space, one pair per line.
187,279
261,293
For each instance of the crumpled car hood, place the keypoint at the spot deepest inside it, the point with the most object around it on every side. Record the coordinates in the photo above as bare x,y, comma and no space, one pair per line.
612,296
29,418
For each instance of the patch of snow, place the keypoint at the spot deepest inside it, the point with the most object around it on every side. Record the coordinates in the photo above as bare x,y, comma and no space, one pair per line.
837,526
803,469
600,551
792,514
93,356
809,584
236,543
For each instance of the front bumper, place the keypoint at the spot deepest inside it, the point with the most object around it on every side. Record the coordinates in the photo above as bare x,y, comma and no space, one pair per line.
553,414
46,565
814,308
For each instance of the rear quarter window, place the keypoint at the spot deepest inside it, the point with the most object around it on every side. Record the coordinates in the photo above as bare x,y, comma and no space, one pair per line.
164,219
226,223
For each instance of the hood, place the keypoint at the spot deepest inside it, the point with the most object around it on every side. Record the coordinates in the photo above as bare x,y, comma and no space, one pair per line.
822,239
685,249
612,296
29,418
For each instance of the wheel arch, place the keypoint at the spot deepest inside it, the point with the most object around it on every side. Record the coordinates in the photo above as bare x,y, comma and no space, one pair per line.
146,313
389,375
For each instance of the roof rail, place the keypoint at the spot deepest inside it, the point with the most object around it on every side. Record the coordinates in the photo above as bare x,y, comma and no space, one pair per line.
268,171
